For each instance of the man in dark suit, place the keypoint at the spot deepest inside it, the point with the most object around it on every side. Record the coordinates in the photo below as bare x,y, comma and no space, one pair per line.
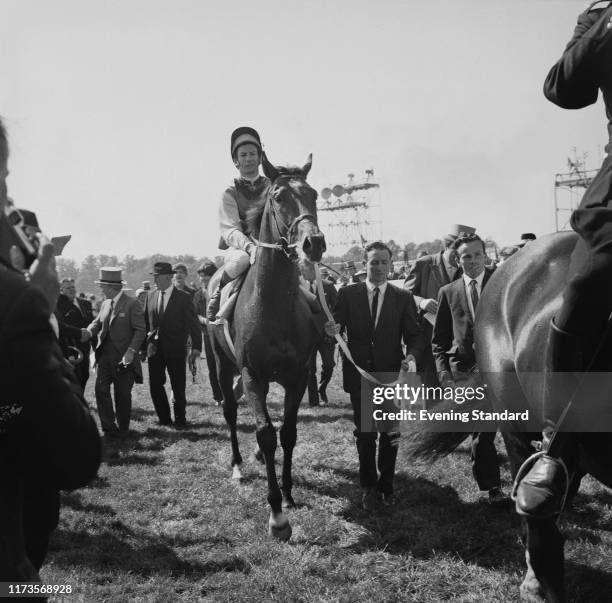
326,345
453,349
376,316
426,276
74,314
170,319
200,302
48,439
121,330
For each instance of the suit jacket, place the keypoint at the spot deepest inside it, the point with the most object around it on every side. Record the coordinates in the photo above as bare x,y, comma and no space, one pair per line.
379,350
574,82
453,332
426,277
71,320
178,322
125,327
53,437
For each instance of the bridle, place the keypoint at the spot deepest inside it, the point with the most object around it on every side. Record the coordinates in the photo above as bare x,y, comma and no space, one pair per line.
285,242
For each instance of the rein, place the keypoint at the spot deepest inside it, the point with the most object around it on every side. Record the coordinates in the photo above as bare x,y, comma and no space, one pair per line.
284,242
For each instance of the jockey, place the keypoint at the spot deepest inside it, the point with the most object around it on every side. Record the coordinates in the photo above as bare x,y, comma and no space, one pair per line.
574,82
246,191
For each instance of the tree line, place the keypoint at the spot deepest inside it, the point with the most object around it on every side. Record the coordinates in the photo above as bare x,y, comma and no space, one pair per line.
136,270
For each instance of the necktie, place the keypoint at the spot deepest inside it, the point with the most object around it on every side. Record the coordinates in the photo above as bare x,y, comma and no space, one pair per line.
375,307
160,312
474,294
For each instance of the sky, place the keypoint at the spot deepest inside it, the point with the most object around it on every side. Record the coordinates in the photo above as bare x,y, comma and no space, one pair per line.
120,111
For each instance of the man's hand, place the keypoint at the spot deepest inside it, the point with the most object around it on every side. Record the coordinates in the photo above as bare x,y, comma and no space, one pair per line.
128,357
251,249
43,273
407,362
85,335
331,328
429,305
202,319
193,356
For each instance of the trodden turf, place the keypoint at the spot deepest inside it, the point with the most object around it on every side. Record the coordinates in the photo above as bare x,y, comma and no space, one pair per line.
164,521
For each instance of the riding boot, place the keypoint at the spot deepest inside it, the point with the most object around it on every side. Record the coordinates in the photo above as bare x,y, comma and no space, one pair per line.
541,492
215,299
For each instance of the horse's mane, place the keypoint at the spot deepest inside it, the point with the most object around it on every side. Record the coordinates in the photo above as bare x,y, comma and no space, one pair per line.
253,217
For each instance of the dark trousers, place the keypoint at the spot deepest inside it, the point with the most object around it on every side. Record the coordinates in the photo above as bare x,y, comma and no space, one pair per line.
485,464
366,450
427,368
177,370
212,367
122,382
82,369
326,349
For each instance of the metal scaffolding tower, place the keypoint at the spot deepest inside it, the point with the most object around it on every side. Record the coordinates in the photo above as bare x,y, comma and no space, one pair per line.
349,214
573,184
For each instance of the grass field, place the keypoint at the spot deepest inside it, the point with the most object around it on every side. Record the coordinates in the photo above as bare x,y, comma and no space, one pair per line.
164,522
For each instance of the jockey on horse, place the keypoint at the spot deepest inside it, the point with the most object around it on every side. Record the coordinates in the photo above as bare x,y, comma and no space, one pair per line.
248,190
577,328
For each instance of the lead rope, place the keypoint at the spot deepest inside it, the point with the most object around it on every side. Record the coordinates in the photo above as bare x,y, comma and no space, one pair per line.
342,343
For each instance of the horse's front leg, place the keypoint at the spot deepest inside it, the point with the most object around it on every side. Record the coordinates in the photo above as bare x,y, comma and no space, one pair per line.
256,392
544,580
288,435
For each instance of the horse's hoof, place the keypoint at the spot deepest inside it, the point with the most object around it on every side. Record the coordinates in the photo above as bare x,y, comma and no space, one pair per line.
288,502
258,456
532,591
282,533
236,473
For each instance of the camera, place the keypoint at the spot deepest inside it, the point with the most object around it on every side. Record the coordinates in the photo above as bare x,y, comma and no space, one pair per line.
25,235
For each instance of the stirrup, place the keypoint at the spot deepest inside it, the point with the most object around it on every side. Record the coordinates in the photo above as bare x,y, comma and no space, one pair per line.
527,466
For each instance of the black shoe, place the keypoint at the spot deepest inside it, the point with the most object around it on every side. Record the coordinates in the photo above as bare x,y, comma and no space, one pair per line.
369,499
541,493
165,423
180,424
388,499
323,394
497,498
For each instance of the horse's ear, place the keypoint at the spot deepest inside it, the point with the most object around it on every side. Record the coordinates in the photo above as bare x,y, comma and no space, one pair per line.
306,167
269,170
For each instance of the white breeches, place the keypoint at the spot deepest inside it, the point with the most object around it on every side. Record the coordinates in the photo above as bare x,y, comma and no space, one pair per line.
235,262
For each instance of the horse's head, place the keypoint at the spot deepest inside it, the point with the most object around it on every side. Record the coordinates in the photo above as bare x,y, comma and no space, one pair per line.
292,204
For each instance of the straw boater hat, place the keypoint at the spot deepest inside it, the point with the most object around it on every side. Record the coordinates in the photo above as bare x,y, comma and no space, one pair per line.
110,275
244,135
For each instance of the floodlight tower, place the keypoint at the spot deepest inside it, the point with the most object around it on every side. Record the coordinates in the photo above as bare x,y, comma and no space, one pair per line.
573,183
349,214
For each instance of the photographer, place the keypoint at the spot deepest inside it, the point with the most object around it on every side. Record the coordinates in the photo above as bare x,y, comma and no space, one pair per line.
48,439
73,316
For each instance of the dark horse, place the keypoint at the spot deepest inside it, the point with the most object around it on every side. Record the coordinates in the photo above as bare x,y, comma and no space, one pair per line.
510,336
273,330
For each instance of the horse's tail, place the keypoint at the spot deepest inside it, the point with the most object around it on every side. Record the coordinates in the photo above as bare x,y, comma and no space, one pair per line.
422,442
